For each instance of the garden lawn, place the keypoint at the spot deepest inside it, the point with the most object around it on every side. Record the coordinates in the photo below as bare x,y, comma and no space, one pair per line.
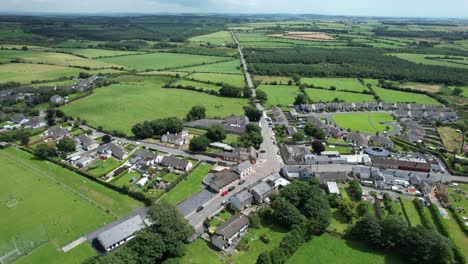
283,95
411,212
116,202
451,138
42,202
100,168
329,249
232,66
364,123
120,106
25,73
456,234
320,95
199,252
191,185
47,253
217,38
231,79
124,180
161,61
345,84
394,96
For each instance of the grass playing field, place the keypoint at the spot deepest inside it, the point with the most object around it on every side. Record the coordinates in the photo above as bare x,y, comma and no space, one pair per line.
231,79
160,61
137,99
191,185
329,249
364,123
342,84
283,95
51,255
217,38
25,73
320,95
402,97
232,66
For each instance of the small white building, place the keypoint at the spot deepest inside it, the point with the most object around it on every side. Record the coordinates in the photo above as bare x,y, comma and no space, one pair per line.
178,139
142,182
333,188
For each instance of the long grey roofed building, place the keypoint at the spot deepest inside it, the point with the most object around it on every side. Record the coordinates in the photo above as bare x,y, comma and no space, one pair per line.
121,233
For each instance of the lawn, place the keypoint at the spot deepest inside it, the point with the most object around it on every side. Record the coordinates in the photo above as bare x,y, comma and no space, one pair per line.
232,66
41,203
421,58
137,99
451,138
191,185
96,53
47,253
124,180
320,95
329,249
364,123
456,234
195,84
411,213
217,38
394,96
283,95
100,168
161,61
344,84
25,73
232,79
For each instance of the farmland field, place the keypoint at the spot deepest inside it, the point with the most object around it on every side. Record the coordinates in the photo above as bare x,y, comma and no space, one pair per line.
232,66
232,79
160,61
344,84
283,95
364,123
393,96
25,73
320,95
217,38
191,185
329,249
269,79
201,85
96,53
421,58
137,99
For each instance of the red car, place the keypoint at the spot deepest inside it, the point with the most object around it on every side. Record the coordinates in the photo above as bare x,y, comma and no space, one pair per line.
224,193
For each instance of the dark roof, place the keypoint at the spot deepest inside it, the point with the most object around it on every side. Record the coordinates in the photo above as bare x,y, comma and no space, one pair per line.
86,142
229,228
174,162
330,176
17,118
121,231
117,151
223,178
261,189
144,153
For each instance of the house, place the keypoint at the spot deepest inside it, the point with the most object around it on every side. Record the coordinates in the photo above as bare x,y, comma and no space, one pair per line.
260,191
401,113
244,168
401,164
19,119
86,84
331,176
114,150
34,123
241,200
178,139
357,139
57,133
334,132
314,120
176,163
148,157
121,233
382,141
83,162
291,131
57,99
221,146
221,179
235,124
240,155
332,188
297,172
86,142
278,116
230,231
296,154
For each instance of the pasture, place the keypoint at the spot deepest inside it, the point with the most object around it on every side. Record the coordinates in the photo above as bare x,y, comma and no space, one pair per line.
231,66
283,95
97,53
424,59
161,61
25,73
321,95
137,99
195,84
217,38
341,84
394,96
364,123
329,249
268,79
231,79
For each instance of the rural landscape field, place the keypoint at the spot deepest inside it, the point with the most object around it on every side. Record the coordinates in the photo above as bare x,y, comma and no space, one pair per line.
187,132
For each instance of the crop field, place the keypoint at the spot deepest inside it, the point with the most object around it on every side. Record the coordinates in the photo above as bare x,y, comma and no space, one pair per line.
161,61
232,79
25,73
451,138
217,38
42,202
421,58
232,66
283,95
97,53
320,95
195,84
394,96
191,185
329,249
122,105
342,84
364,123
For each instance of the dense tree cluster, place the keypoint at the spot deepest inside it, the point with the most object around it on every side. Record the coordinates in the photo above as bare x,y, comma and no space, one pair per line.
216,133
196,113
355,190
252,137
314,131
230,91
253,113
199,144
157,127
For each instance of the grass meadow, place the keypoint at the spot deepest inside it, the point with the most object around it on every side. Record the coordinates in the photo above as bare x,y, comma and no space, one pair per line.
25,73
421,58
97,53
204,86
394,96
231,66
217,38
231,79
341,84
320,95
279,94
364,123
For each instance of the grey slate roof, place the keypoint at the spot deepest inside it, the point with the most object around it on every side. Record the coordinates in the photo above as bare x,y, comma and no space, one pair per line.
86,142
244,166
174,162
229,228
223,178
121,231
261,189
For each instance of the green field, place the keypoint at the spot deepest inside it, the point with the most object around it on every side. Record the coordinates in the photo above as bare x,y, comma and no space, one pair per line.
456,234
283,95
100,168
25,73
96,53
364,123
411,212
393,96
191,185
232,66
195,84
343,84
51,255
217,38
137,99
329,249
421,58
320,95
161,61
232,79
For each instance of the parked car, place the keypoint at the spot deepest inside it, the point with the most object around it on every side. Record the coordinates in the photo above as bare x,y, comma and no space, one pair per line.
200,208
224,193
231,188
241,182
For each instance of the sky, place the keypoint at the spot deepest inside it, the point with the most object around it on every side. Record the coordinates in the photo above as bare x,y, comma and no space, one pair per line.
399,8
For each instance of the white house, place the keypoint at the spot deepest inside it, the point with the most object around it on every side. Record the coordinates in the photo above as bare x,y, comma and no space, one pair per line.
142,182
230,231
244,168
178,139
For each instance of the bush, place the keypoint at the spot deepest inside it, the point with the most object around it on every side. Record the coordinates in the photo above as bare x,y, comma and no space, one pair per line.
265,238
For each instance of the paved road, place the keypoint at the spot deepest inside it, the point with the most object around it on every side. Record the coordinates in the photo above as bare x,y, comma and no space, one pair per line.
244,65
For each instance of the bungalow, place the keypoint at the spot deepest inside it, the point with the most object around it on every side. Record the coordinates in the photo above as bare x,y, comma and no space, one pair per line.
145,155
112,149
221,146
19,119
244,168
230,231
57,133
83,162
178,139
143,181
357,139
382,141
34,123
86,143
236,124
221,179
176,163
121,233
241,200
57,99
